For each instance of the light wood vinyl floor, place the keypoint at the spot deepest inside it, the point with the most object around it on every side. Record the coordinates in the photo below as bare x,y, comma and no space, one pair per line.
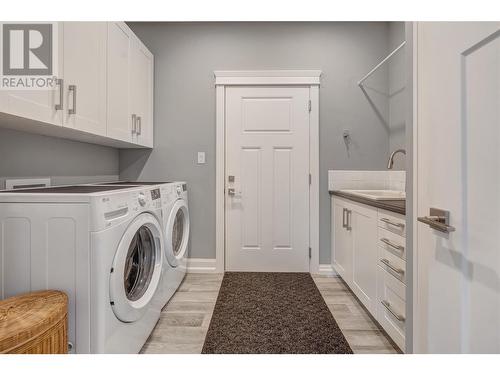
185,319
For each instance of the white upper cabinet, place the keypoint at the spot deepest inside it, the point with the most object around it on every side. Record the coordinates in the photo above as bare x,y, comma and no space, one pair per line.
85,76
119,113
37,105
105,90
141,92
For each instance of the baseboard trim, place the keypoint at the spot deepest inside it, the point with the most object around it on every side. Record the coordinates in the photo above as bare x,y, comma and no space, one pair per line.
200,265
326,270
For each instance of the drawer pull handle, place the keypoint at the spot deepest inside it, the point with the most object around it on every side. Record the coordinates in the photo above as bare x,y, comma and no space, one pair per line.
395,269
388,306
394,246
387,221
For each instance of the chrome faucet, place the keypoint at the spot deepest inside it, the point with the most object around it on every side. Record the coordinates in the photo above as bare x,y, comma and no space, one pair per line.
390,164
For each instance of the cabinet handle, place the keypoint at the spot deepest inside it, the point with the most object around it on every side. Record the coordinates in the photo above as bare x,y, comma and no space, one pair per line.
60,83
395,269
72,111
387,221
134,121
394,246
388,306
348,225
139,125
344,225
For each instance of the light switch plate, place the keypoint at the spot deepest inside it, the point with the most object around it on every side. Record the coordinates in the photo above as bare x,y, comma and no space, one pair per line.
201,157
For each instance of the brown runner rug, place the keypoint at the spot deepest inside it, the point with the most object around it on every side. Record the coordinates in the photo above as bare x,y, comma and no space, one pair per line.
272,313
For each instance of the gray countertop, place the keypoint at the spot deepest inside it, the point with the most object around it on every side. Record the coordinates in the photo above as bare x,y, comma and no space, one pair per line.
396,206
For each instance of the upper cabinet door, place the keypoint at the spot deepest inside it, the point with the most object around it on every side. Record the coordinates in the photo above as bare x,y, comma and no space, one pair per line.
85,76
119,114
38,105
141,92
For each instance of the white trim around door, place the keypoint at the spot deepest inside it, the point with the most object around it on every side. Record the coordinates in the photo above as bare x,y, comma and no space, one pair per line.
304,78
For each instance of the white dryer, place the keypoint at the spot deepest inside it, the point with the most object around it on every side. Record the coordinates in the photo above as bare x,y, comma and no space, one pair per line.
177,228
101,245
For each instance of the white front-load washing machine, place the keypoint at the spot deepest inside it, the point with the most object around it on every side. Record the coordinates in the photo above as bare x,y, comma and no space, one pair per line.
101,245
175,218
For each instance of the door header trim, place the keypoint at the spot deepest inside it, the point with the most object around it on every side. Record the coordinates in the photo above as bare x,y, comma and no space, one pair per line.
267,77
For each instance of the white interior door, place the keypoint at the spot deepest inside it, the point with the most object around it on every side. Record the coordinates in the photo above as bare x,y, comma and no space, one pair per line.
267,179
458,144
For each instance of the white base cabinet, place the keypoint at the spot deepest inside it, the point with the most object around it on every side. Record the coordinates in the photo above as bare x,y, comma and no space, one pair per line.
368,252
105,90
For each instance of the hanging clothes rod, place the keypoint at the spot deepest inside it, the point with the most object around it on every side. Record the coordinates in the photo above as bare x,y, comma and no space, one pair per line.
360,82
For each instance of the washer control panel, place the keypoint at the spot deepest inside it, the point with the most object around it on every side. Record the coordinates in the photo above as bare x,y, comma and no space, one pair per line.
155,194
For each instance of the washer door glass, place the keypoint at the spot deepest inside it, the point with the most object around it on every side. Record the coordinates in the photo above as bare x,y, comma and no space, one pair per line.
139,264
177,233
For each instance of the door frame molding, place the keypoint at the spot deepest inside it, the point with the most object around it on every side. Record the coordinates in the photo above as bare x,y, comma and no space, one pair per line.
305,78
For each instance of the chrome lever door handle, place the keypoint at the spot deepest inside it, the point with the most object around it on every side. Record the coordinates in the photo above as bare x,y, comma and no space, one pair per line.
438,220
233,193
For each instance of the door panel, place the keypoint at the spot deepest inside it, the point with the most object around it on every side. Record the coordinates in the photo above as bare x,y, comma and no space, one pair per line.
85,68
141,89
267,152
38,105
119,124
364,254
342,240
458,289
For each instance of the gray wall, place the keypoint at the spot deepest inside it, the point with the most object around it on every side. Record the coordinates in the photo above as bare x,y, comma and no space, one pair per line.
66,162
186,54
397,93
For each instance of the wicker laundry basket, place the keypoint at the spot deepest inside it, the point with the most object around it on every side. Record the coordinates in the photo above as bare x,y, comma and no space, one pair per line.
34,323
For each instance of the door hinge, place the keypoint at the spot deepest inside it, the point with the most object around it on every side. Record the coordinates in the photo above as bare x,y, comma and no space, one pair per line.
310,179
309,106
309,253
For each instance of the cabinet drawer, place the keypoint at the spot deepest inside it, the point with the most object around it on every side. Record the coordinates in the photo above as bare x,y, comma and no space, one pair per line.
391,296
392,222
393,264
392,242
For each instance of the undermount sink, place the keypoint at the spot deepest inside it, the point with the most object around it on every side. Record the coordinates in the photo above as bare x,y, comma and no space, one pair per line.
378,195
